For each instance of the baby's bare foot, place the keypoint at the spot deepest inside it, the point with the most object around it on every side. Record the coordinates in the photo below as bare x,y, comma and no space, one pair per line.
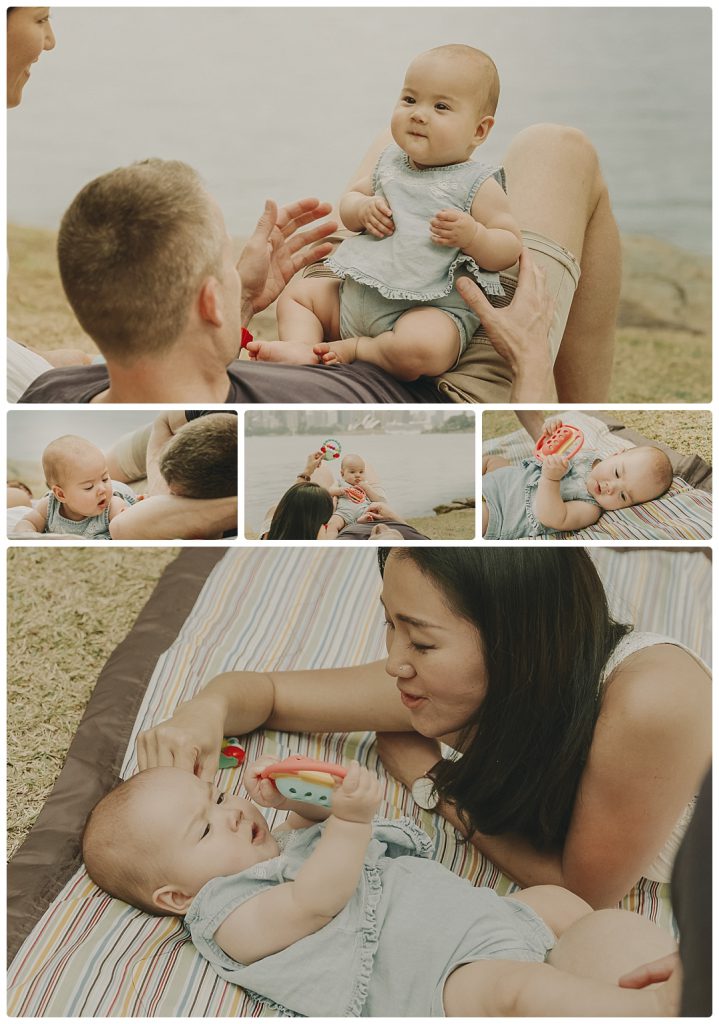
344,351
295,352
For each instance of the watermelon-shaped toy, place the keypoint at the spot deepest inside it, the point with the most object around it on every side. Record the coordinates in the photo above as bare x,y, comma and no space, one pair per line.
566,441
307,781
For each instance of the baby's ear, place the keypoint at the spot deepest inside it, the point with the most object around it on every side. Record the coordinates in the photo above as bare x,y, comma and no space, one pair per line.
58,492
172,900
483,129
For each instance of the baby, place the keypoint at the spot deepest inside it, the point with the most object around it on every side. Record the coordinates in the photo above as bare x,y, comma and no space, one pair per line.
555,493
428,213
354,495
82,500
350,917
200,460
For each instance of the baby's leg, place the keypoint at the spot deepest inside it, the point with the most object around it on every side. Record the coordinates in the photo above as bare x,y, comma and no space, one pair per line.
558,907
492,462
513,988
608,943
308,310
334,526
425,341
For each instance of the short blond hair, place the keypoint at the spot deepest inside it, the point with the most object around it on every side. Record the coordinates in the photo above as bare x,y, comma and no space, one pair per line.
59,455
134,247
116,857
481,66
200,461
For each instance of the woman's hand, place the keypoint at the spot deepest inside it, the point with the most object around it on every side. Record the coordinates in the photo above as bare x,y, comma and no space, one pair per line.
651,973
275,252
407,755
551,424
191,739
314,459
520,331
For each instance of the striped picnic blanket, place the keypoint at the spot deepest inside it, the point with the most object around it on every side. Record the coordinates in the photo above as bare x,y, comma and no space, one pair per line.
272,609
683,513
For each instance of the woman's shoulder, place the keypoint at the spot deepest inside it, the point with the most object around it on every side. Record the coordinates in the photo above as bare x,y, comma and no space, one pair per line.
656,683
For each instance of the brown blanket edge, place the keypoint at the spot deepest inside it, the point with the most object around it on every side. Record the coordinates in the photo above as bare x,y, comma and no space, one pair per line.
51,853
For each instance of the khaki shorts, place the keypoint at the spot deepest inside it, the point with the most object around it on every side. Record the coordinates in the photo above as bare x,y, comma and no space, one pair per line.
481,375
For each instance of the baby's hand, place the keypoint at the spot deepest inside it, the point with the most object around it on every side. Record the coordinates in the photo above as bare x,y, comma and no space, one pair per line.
551,424
554,467
263,791
358,798
376,216
454,228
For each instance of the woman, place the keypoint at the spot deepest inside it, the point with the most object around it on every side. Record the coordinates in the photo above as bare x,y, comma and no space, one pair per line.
29,34
583,743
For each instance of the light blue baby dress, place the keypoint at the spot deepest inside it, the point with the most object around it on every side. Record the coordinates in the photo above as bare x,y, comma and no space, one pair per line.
408,264
92,527
511,493
389,952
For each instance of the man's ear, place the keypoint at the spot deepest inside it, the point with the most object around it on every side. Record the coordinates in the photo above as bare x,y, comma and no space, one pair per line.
209,302
167,897
483,129
58,492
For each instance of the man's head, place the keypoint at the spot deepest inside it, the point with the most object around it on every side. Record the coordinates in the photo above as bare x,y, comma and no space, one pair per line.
200,461
76,473
352,469
135,248
155,840
447,105
630,478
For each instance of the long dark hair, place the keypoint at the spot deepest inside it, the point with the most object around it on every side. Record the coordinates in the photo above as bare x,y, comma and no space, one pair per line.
546,634
300,512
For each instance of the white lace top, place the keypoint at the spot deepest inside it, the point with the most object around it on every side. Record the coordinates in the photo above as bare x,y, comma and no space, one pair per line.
661,869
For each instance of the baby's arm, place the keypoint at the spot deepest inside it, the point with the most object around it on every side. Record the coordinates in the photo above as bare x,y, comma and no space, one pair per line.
549,507
361,210
489,234
286,913
33,521
373,493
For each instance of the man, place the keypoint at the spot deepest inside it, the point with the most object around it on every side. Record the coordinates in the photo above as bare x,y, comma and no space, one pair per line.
147,265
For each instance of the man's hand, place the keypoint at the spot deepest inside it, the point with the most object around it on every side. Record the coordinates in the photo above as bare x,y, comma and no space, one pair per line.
375,216
377,510
454,228
520,331
554,467
359,796
275,251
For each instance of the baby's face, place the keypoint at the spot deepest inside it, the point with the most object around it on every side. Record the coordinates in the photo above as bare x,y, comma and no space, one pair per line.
353,471
198,832
86,487
437,116
627,478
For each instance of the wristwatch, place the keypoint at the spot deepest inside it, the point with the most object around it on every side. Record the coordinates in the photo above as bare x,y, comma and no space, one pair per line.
303,476
424,793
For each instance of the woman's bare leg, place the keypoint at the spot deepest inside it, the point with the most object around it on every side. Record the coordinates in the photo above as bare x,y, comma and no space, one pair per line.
556,189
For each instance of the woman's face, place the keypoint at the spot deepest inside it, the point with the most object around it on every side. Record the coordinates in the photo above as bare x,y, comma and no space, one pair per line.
28,34
435,656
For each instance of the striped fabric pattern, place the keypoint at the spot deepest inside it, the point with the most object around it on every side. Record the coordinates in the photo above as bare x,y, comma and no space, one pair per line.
270,609
683,513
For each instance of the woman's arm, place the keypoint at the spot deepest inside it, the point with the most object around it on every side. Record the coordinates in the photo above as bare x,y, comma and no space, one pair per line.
651,748
236,703
170,516
324,885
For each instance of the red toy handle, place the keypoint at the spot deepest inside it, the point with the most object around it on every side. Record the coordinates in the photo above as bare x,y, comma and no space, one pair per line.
566,441
298,763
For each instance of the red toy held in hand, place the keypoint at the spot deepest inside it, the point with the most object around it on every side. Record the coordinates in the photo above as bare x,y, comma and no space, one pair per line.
566,441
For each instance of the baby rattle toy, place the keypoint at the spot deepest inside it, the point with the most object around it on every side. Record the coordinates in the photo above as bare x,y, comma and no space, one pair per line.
301,778
565,441
330,449
231,754
355,494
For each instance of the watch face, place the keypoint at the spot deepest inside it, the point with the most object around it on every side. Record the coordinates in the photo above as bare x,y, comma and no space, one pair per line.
424,793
